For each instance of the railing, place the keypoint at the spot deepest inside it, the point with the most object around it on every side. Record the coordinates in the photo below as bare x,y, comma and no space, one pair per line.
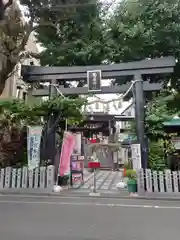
42,177
158,181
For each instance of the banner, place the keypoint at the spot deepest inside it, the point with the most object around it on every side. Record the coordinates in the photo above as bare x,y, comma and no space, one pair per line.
77,145
66,151
33,146
136,156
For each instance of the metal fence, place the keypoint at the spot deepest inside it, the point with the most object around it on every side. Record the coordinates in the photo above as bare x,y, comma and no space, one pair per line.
158,181
42,177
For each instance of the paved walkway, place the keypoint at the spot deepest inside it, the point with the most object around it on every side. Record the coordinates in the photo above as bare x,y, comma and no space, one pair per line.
106,181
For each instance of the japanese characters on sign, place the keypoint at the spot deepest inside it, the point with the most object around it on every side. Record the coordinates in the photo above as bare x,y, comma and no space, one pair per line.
33,145
136,156
94,80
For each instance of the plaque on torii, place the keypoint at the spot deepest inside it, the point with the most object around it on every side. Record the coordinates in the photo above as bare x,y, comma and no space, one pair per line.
94,80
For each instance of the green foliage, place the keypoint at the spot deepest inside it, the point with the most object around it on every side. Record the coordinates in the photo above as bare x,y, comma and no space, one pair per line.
15,115
157,155
131,174
157,112
146,29
78,41
19,110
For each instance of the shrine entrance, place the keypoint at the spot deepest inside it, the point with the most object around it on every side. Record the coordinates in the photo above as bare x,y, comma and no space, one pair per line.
91,78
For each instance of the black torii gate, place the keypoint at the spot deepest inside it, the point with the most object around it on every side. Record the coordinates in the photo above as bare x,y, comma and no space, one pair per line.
137,69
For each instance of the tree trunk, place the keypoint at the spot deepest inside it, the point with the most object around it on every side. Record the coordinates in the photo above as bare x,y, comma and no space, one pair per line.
5,72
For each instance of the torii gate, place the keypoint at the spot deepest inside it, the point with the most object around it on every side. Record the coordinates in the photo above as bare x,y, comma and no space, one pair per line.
94,74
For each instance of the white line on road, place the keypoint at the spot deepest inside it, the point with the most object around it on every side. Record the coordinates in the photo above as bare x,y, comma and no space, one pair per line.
91,204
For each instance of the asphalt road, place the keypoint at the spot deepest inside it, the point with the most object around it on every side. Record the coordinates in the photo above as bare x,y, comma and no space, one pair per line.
50,218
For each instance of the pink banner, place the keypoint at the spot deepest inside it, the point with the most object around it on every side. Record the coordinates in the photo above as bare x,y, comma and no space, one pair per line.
66,151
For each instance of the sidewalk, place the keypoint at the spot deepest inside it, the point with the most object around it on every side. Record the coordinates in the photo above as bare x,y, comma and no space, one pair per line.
70,193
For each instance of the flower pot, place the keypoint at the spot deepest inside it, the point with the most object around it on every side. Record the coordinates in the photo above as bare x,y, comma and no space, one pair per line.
132,185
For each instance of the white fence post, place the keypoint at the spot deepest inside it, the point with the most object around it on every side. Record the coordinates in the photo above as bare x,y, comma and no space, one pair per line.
140,180
19,178
168,180
42,177
8,177
24,177
148,180
13,183
36,178
50,176
161,181
2,178
30,177
175,182
155,181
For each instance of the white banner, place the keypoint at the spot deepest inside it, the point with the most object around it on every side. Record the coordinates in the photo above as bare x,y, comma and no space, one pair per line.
77,147
136,156
33,146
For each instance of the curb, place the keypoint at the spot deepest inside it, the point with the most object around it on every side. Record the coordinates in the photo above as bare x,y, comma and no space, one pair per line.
86,195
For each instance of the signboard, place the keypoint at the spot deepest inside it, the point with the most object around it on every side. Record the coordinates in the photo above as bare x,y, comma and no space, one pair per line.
77,146
136,156
77,168
94,80
33,146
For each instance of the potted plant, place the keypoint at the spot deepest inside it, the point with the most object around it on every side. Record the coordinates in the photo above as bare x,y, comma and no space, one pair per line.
132,180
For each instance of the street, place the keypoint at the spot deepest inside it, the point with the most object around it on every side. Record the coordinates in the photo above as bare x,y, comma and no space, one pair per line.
53,218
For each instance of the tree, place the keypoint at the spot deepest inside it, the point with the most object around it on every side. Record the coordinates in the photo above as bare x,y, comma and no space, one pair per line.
15,32
146,29
15,115
80,41
158,111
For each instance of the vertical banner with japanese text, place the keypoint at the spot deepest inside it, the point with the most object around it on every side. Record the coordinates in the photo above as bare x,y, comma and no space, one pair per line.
66,151
33,146
77,145
136,156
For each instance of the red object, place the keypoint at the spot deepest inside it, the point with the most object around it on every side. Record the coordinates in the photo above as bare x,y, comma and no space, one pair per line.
94,165
94,140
